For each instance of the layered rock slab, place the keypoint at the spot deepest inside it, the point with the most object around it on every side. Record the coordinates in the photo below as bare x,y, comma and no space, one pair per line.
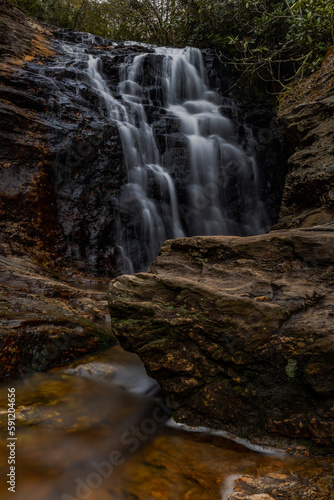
47,318
239,332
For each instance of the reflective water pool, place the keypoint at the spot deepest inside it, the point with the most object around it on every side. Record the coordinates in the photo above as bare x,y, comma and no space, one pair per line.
95,429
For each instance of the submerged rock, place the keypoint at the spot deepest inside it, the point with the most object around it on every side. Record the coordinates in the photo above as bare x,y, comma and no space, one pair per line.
308,479
239,332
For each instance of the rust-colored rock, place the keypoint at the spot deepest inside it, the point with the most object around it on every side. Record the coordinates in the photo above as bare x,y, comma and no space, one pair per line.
306,480
21,38
61,159
27,205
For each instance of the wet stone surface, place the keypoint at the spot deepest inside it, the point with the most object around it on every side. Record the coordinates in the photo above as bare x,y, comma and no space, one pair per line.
47,318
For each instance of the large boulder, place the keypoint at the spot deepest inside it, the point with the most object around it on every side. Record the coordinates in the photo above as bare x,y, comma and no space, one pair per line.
239,332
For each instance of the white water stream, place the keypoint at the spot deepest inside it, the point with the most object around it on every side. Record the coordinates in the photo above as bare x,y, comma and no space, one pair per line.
218,172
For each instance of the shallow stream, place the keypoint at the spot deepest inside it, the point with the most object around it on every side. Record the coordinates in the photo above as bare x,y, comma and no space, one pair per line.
95,429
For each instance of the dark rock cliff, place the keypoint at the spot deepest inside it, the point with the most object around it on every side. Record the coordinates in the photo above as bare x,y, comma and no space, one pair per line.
308,113
62,163
28,215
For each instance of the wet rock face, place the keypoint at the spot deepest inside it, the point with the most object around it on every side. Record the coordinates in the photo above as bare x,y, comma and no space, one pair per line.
27,208
238,331
21,36
44,320
63,161
255,110
307,111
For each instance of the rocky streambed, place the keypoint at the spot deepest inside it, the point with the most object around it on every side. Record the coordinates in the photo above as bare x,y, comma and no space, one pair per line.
93,427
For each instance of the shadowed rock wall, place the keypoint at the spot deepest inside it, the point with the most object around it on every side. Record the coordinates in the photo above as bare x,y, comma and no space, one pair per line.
308,113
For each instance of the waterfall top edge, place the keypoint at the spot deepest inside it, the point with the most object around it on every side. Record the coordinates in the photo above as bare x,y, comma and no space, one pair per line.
90,39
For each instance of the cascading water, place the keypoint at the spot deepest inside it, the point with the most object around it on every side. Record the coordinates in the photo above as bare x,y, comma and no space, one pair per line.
220,192
142,157
216,160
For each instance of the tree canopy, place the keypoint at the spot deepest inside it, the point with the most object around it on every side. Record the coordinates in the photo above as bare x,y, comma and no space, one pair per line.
276,39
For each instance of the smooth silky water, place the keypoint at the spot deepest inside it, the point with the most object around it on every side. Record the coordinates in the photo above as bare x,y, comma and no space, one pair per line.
74,420
216,190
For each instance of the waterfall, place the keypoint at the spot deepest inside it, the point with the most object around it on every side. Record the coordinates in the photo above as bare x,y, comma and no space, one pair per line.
219,193
218,165
154,223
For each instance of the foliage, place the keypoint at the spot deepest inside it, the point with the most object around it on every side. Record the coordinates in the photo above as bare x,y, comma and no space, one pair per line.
32,7
277,39
152,21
